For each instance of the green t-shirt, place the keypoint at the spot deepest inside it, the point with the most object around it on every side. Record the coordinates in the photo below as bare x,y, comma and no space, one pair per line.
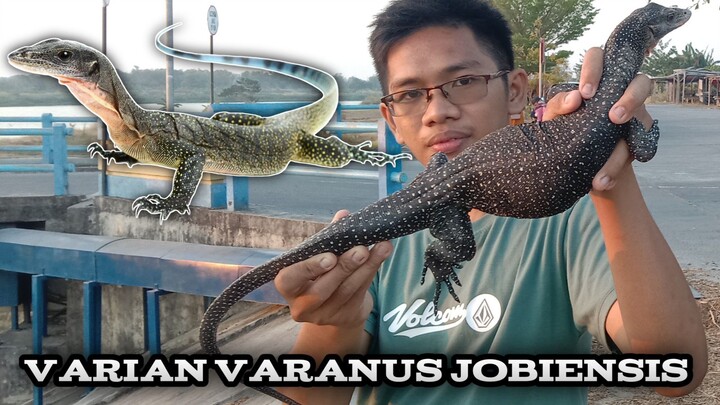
540,286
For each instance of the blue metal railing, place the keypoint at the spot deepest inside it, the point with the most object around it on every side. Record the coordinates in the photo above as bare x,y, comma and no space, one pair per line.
46,120
390,179
54,147
166,267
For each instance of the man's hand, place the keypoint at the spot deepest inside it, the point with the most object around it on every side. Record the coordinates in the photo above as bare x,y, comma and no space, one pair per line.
333,290
631,104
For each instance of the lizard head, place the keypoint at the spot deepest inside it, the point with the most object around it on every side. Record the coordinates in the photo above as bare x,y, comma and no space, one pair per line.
65,60
661,20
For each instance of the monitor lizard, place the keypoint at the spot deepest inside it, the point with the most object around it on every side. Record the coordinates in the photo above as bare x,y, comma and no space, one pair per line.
525,171
235,144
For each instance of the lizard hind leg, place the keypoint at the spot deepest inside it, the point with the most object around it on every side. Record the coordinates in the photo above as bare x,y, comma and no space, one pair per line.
455,243
643,144
333,152
375,158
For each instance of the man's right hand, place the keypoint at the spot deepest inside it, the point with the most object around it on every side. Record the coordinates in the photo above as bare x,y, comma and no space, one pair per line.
333,290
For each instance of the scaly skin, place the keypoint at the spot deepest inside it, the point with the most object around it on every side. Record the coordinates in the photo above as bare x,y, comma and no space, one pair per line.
234,144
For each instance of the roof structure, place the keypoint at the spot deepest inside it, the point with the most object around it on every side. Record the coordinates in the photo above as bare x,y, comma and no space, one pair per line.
692,85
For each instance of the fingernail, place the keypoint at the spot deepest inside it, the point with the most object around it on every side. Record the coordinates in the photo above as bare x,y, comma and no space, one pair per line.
619,112
587,90
325,262
358,257
384,249
604,181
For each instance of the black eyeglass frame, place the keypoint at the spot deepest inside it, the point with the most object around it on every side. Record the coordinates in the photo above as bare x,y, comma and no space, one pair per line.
388,99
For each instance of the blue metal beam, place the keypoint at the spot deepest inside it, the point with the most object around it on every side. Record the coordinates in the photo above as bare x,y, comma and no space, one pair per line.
152,320
92,318
39,324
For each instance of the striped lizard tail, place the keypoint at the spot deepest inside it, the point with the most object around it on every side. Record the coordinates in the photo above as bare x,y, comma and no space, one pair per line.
311,118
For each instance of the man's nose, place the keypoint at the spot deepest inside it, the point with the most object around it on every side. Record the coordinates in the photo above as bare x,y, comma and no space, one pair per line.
439,108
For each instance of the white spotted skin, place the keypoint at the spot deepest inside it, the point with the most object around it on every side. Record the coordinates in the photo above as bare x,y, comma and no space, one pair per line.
526,171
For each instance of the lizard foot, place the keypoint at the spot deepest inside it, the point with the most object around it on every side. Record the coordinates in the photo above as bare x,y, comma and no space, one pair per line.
643,144
444,273
375,158
155,204
96,149
117,155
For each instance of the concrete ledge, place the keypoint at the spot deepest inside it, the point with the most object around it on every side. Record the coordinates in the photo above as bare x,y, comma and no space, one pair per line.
113,217
48,209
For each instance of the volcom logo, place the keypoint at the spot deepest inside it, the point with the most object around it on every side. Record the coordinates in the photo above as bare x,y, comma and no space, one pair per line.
481,314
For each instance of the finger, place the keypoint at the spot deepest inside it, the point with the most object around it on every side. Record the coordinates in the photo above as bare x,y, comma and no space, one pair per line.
340,214
296,278
591,72
606,177
562,103
351,293
632,101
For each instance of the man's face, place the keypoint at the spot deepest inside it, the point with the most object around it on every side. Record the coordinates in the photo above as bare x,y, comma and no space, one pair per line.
430,57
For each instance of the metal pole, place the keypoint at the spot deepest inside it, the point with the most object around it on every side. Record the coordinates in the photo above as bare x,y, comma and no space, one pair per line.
212,74
101,125
169,99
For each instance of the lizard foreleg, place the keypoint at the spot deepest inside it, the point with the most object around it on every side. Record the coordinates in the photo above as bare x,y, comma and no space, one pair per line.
185,182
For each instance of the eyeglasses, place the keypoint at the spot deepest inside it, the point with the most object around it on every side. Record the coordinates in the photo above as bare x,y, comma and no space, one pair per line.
462,90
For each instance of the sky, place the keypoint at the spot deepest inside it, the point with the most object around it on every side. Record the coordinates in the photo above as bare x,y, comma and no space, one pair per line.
328,34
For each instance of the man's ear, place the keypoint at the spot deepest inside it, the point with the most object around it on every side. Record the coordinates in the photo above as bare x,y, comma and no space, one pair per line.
517,91
385,111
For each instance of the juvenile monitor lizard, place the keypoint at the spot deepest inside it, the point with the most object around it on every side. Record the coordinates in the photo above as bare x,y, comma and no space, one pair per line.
234,144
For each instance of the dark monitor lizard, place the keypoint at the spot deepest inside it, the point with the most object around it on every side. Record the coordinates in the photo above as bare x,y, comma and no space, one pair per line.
525,171
235,144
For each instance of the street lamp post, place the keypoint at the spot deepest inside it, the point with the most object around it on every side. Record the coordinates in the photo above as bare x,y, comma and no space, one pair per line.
213,22
101,125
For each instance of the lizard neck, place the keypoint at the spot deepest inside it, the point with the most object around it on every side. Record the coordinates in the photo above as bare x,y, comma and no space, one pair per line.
624,54
105,95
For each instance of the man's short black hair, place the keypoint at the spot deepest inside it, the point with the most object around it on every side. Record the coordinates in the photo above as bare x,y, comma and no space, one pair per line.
404,17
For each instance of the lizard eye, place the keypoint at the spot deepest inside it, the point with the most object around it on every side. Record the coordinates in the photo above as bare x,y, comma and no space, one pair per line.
671,17
64,55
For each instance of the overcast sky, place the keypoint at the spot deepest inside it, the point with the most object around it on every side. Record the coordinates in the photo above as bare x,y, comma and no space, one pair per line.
328,34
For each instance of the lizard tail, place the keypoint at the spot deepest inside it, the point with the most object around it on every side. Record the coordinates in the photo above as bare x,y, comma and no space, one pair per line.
312,118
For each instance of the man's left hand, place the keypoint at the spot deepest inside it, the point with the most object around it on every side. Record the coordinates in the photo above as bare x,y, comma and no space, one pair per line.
631,104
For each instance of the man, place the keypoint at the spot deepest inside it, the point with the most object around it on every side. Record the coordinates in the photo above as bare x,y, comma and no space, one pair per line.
535,286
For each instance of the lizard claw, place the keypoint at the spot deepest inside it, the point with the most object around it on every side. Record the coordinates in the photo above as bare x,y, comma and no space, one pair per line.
375,158
95,149
155,204
444,274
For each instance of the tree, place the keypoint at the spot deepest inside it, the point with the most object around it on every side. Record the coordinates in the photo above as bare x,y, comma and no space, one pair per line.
695,58
556,21
662,60
245,89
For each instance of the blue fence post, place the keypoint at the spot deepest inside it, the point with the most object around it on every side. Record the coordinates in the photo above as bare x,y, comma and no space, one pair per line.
47,123
152,320
238,189
60,159
92,317
391,177
39,324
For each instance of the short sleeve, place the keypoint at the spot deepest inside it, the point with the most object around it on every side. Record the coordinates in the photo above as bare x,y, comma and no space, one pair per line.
590,282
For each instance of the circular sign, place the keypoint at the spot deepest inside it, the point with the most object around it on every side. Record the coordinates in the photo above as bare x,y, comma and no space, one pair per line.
213,21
